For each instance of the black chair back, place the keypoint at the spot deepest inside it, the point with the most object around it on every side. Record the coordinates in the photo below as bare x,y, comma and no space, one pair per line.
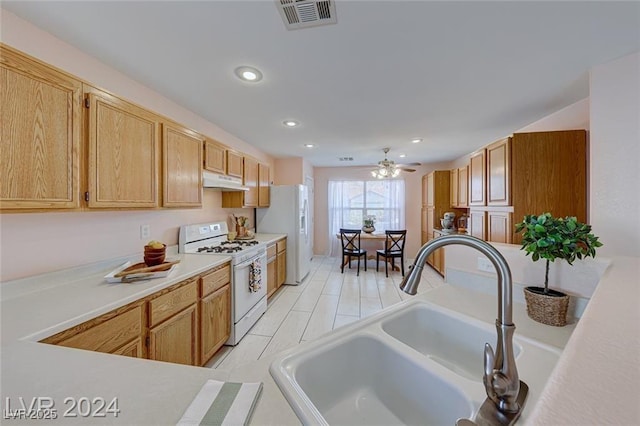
350,239
395,241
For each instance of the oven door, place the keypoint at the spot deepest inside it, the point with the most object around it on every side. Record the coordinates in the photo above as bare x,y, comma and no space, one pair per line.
248,289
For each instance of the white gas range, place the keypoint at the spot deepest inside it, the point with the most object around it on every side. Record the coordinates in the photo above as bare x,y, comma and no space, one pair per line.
248,266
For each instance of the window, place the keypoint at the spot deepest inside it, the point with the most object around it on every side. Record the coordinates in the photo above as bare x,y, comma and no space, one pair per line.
351,201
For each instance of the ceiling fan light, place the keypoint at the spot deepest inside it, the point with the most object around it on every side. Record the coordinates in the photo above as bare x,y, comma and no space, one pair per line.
395,173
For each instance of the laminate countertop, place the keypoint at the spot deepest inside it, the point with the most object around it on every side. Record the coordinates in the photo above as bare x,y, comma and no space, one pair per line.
158,393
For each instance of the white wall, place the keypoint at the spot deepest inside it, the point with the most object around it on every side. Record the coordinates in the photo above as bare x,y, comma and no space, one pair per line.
615,155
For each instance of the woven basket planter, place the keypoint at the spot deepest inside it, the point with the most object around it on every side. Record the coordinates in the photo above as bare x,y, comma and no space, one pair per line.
550,308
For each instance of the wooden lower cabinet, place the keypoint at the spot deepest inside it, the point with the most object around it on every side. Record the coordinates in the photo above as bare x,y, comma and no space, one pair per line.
215,322
272,269
281,262
174,340
113,332
215,311
436,258
132,349
185,323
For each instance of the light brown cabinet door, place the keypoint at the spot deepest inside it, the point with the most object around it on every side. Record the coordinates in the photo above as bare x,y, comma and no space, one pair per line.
215,322
174,340
215,157
463,187
123,153
424,227
431,220
234,164
477,179
182,166
477,219
251,181
272,276
454,188
132,349
499,171
40,135
430,189
281,263
499,227
263,185
425,190
106,333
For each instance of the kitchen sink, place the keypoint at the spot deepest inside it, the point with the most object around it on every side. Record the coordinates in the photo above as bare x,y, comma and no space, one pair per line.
364,381
452,341
413,363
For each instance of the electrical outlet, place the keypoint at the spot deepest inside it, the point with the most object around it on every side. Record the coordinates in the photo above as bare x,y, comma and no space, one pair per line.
485,265
145,232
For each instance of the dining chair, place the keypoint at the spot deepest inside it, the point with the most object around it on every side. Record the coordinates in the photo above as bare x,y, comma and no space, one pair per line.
393,247
351,247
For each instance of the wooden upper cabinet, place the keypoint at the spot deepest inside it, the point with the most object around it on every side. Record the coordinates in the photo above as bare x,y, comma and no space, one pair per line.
182,166
499,173
41,118
477,179
499,227
476,225
215,157
251,181
263,185
234,164
430,190
454,187
463,186
123,152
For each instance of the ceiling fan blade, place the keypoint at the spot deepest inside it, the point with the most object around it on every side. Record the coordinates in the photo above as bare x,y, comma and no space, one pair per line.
409,164
404,169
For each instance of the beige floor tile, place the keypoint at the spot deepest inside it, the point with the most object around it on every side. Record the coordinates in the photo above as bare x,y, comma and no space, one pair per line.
248,350
322,318
349,303
289,334
369,305
308,299
276,313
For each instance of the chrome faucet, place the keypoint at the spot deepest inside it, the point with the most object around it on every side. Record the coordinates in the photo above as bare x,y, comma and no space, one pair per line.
506,393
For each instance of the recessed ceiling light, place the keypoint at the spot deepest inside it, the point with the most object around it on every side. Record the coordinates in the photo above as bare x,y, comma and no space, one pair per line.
250,74
291,123
416,140
309,145
402,155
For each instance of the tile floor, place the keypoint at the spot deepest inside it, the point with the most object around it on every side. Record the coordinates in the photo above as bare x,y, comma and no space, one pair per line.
327,299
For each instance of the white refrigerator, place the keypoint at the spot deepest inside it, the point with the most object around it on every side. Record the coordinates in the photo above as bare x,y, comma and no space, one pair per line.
289,214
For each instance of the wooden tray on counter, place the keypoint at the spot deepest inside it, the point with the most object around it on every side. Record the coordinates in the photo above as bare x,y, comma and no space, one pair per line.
160,271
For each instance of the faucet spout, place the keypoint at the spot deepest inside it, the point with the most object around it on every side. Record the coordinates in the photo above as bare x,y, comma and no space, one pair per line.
500,373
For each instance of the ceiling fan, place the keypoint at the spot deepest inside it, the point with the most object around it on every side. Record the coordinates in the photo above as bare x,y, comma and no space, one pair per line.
389,169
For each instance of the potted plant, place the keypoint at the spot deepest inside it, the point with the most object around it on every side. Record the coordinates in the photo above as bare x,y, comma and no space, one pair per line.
367,224
550,238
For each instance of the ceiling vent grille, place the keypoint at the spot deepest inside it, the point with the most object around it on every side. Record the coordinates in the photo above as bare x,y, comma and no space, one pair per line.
298,14
345,158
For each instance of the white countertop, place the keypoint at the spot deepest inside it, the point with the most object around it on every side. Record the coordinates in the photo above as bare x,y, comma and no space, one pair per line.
151,392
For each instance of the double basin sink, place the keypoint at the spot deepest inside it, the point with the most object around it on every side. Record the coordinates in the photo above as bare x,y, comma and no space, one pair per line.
415,363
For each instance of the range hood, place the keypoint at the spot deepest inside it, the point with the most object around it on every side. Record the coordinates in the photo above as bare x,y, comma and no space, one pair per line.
222,182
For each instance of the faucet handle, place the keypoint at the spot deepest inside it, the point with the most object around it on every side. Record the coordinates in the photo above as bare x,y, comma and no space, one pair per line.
489,362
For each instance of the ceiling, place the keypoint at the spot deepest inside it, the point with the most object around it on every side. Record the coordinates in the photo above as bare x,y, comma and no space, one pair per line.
456,74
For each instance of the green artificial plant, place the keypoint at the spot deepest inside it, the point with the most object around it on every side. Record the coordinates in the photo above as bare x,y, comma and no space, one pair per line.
551,238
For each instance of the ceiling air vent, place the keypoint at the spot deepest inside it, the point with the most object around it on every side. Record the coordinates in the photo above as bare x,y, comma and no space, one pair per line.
345,158
298,14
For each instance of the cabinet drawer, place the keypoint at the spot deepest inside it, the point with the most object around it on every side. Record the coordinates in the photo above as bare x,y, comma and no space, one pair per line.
109,335
172,302
271,251
216,279
282,245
